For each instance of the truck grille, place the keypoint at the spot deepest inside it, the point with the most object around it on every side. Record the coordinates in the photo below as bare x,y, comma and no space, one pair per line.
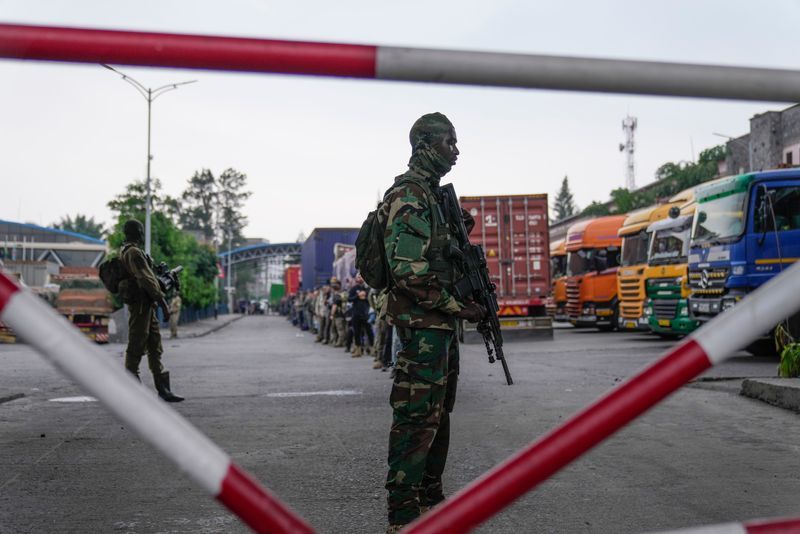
630,288
665,308
573,297
631,310
708,282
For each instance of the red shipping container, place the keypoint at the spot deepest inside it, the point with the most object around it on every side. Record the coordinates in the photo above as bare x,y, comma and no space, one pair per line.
291,279
515,235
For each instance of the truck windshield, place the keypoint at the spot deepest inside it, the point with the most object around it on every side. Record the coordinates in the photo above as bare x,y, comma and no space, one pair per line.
634,249
719,218
558,266
579,261
670,246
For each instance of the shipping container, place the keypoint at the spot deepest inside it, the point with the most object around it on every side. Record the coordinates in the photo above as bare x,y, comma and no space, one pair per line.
514,233
318,253
291,279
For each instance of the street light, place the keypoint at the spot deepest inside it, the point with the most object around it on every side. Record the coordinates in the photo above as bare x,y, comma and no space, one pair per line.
749,147
150,95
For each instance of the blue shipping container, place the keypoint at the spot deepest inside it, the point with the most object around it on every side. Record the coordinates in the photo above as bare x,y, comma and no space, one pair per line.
317,255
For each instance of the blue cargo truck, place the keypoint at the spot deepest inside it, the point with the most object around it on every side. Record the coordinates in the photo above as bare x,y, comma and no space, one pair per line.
746,230
316,257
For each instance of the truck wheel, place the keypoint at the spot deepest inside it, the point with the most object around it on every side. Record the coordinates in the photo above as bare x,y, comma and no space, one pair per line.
614,321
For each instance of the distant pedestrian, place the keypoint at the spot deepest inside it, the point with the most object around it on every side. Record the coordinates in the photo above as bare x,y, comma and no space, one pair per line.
174,315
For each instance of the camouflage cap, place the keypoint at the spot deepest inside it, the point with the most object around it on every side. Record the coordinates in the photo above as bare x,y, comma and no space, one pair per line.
429,127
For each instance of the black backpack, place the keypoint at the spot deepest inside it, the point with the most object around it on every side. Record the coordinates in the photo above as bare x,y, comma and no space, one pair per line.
371,259
112,272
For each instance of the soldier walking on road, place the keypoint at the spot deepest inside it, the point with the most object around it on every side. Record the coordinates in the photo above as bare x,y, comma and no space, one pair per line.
174,315
140,290
418,242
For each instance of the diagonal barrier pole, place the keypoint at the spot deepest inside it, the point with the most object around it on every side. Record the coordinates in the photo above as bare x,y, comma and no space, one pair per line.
719,339
397,63
173,436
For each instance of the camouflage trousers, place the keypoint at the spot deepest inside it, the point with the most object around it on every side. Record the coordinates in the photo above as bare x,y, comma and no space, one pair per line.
144,334
422,397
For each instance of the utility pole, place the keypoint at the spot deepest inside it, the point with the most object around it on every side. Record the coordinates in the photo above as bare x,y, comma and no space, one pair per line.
629,127
149,95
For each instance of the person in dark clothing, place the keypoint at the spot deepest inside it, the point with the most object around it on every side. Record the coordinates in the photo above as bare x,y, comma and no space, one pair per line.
359,285
361,327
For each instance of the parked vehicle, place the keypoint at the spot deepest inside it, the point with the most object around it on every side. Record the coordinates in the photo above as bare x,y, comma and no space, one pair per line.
86,303
318,254
746,230
667,275
636,238
514,233
593,255
557,299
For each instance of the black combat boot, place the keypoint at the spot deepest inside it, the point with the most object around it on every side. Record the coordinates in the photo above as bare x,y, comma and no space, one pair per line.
162,386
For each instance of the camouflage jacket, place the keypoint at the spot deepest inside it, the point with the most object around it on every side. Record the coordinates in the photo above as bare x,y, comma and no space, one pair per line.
417,298
142,284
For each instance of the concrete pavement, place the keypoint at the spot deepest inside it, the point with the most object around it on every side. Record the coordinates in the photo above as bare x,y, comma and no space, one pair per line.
312,424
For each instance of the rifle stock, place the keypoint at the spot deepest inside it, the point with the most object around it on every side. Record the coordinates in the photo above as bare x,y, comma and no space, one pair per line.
476,285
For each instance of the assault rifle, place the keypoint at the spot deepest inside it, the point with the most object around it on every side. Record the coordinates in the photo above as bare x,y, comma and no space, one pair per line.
168,278
476,284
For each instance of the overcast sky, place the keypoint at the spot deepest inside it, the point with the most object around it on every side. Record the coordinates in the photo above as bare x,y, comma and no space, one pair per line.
317,151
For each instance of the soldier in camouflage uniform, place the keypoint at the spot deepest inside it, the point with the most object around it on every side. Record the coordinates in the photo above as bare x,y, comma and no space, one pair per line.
422,307
141,291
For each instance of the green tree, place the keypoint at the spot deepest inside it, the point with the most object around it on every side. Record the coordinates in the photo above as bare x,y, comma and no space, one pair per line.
168,242
200,201
81,225
232,196
595,209
564,205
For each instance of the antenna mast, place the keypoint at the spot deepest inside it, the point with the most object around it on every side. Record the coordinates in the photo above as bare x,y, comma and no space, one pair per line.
629,127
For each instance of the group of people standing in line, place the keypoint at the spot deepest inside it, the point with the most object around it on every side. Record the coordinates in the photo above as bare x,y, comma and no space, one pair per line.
348,318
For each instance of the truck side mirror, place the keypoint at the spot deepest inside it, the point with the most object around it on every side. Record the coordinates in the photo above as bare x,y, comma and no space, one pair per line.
674,212
701,217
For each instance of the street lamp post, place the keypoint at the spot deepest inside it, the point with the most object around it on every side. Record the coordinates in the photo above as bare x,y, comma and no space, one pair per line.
149,95
749,147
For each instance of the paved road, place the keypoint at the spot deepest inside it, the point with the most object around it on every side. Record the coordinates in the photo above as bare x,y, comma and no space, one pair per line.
706,455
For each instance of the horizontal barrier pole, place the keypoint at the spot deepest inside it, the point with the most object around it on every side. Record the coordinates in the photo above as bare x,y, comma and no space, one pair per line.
711,344
461,67
76,357
784,525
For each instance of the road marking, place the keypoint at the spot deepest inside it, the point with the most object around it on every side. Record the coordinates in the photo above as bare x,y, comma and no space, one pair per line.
74,399
334,393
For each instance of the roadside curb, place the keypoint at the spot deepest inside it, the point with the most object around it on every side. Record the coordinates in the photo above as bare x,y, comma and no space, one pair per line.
9,398
780,392
215,328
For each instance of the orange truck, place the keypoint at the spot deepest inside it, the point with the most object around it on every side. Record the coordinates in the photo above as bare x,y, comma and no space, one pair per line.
593,254
86,304
557,300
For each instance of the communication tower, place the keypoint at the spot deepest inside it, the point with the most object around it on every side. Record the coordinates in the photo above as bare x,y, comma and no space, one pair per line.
629,127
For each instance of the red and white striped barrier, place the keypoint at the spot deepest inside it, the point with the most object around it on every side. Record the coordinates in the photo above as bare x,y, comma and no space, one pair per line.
759,526
172,435
396,63
711,344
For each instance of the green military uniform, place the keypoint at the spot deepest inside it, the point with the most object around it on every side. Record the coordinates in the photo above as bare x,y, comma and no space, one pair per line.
421,306
140,290
174,315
